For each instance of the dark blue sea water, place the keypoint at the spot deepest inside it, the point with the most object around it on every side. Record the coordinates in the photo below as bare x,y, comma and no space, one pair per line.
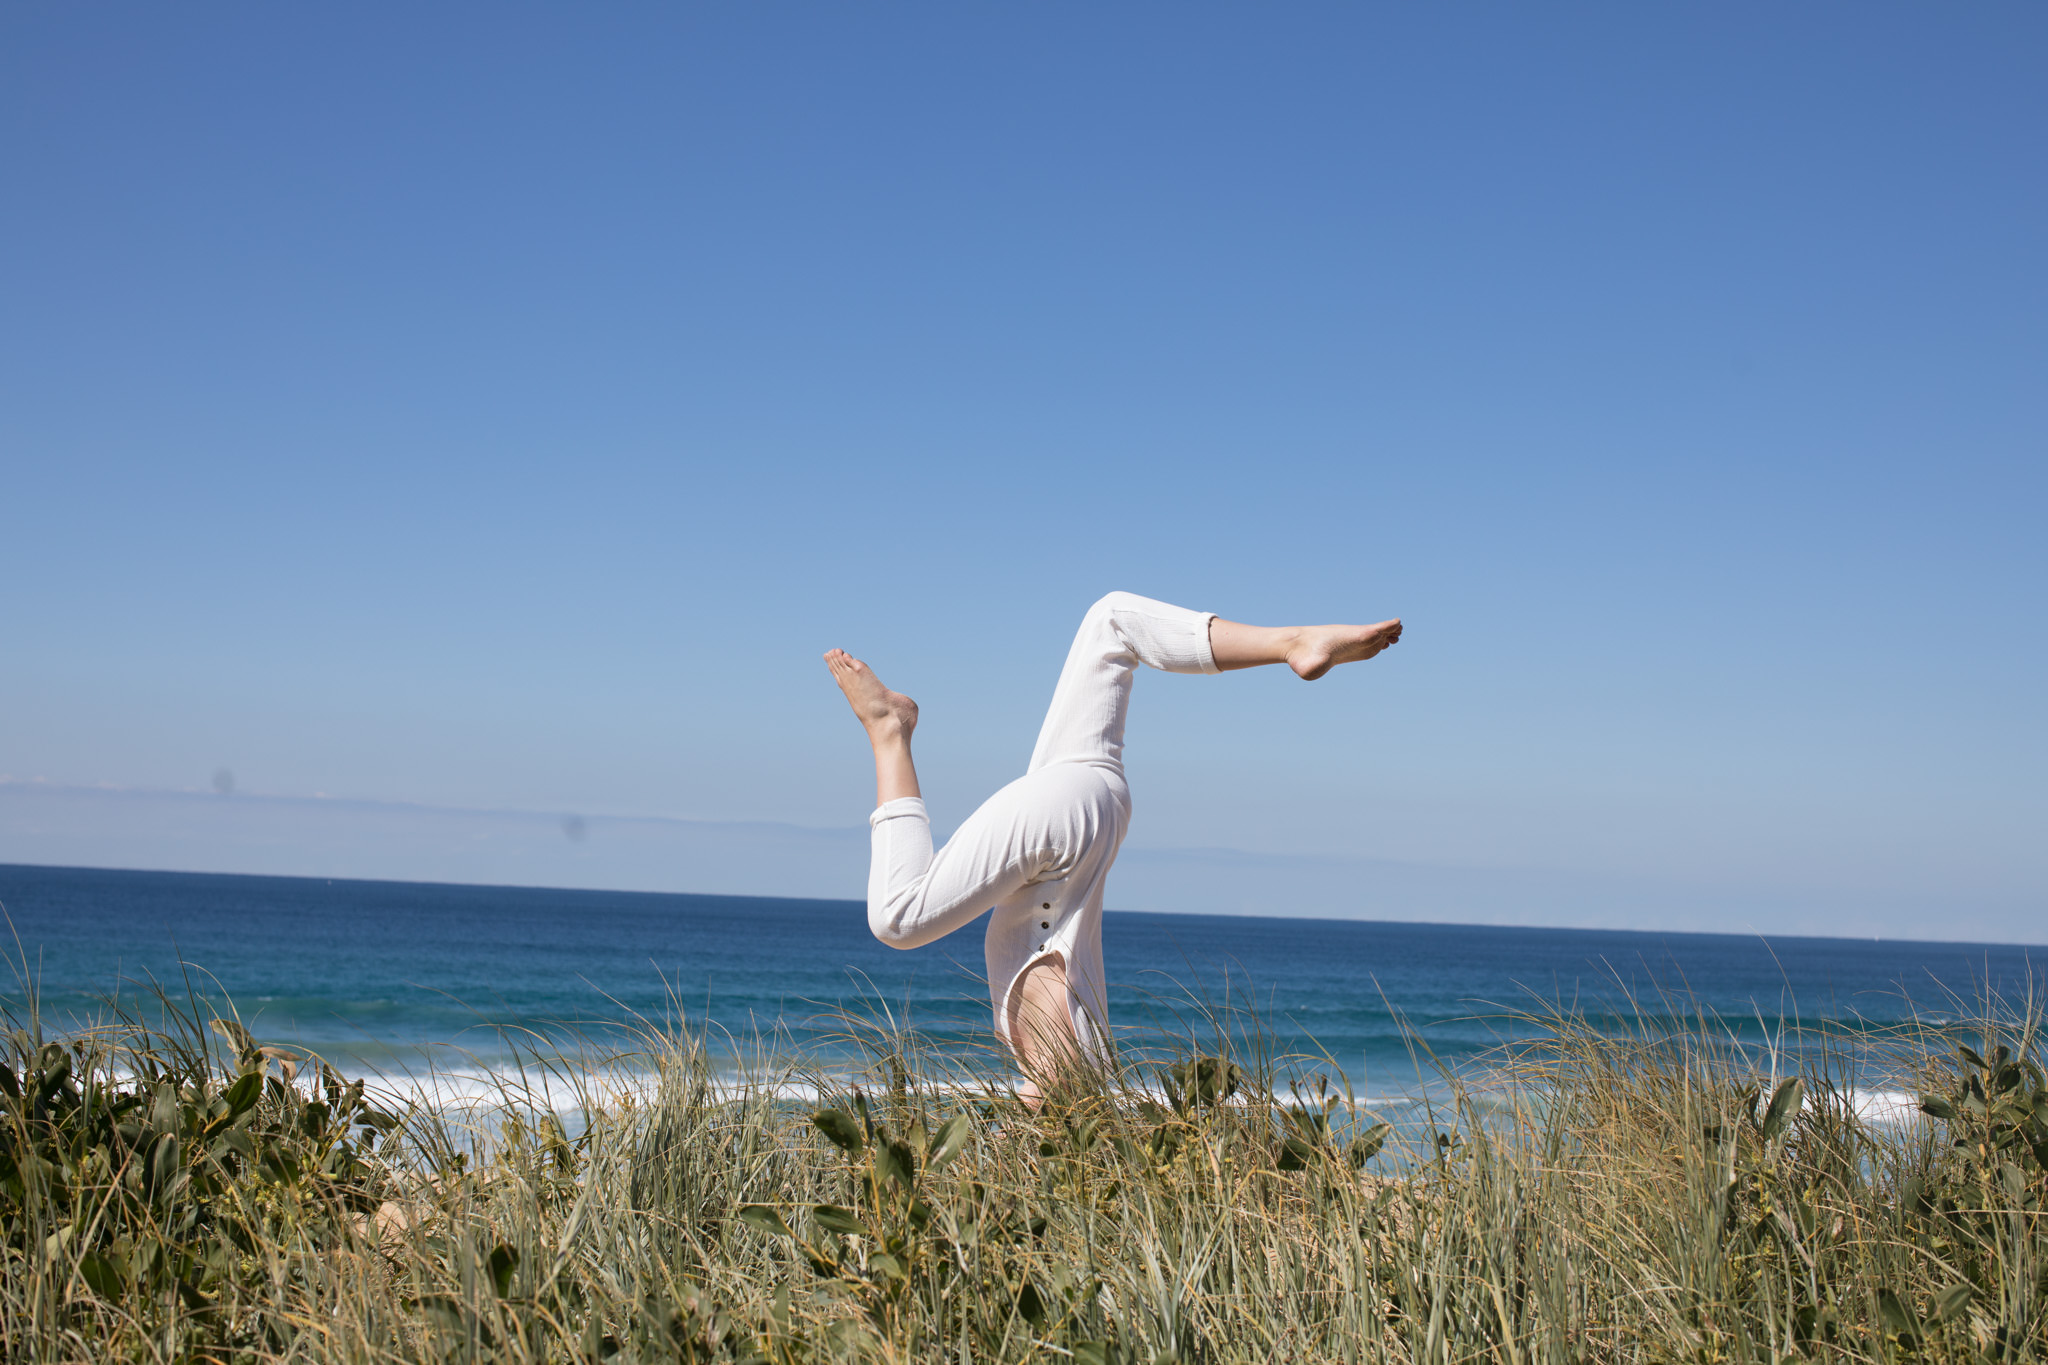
390,974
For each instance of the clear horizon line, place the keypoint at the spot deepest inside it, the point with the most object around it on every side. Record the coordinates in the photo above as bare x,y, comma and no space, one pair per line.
1746,933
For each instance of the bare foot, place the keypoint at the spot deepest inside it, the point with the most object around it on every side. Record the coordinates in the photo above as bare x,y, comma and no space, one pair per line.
1322,648
883,712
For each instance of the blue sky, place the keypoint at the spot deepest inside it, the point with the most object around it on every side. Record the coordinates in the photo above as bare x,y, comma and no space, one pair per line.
493,411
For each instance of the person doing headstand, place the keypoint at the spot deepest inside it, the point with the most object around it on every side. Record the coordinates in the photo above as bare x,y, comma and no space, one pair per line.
1038,852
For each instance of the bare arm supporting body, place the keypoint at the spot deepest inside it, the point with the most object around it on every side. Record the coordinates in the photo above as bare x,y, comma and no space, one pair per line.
1041,1027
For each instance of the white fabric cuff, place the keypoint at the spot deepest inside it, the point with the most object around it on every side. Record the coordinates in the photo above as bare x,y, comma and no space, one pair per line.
901,807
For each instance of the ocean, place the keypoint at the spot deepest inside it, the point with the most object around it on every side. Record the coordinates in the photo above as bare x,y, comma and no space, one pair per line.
400,978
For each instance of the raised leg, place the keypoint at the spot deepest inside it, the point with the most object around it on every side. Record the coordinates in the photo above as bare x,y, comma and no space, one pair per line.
1310,651
888,717
1085,723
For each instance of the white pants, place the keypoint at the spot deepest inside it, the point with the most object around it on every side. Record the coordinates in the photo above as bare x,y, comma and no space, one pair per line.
1038,852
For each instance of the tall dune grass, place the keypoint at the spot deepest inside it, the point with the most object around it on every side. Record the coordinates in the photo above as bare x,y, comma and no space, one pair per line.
171,1190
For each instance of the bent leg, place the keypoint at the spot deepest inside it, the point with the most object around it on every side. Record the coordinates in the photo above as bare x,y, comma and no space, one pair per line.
1085,722
916,896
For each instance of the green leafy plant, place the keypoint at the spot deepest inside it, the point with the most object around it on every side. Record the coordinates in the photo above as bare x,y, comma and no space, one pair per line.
155,1183
1649,1189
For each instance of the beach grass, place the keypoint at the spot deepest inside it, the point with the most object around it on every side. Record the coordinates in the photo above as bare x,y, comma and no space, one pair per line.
1633,1190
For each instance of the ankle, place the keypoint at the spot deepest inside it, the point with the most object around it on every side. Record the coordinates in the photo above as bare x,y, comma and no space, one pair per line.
889,732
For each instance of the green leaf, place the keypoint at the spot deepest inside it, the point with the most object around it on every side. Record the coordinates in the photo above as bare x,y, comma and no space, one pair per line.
766,1219
104,1274
165,1161
1896,1317
313,1122
241,1097
8,1082
1785,1102
504,1260
1295,1154
278,1165
882,1263
1806,1325
1364,1149
1095,1353
1029,1305
1206,1080
340,1161
1950,1304
234,1142
894,1161
1969,1055
377,1121
832,1218
1310,1123
1934,1106
841,1127
163,1107
950,1140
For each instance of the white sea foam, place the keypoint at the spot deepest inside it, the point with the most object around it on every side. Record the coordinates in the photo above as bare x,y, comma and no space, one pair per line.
458,1089
1885,1106
476,1088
